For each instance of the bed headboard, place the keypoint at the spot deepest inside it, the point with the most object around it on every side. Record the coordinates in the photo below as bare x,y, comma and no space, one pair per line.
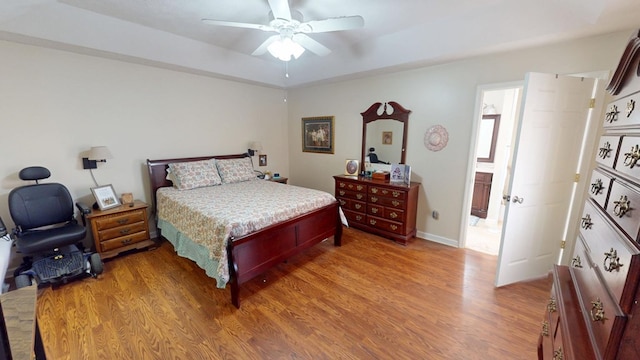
158,171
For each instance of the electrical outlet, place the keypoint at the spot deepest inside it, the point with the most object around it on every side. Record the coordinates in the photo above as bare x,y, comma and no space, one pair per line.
435,214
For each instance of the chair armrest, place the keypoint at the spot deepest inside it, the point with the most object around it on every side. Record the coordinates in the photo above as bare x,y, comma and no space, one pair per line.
84,209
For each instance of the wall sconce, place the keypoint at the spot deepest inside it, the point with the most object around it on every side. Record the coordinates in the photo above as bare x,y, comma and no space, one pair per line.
96,154
253,147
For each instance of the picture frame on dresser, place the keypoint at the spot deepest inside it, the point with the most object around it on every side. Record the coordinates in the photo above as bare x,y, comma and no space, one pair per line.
105,196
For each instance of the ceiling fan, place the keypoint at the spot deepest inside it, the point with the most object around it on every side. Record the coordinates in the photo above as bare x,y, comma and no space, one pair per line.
292,38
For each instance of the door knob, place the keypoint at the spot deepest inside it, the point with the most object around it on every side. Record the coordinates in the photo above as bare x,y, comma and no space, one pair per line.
506,198
518,200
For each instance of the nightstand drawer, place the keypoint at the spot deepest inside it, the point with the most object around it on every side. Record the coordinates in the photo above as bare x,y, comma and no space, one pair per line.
123,241
121,231
111,221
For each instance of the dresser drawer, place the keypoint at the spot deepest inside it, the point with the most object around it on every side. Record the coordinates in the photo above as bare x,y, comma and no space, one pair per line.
600,187
629,158
123,241
121,231
351,194
624,208
354,205
380,223
380,191
356,217
346,185
387,213
385,201
623,112
604,318
608,150
120,219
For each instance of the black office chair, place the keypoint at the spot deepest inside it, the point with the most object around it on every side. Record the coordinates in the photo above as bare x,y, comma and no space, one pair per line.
47,234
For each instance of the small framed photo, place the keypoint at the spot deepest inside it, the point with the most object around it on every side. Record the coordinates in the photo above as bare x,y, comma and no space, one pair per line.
105,197
387,137
317,134
262,160
351,167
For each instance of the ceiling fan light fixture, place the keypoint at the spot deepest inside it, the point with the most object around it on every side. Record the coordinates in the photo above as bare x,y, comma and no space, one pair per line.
285,48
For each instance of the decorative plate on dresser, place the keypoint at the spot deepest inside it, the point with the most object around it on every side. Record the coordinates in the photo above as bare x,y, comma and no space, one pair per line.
594,310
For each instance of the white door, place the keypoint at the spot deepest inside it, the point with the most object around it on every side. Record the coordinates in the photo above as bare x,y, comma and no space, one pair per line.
553,117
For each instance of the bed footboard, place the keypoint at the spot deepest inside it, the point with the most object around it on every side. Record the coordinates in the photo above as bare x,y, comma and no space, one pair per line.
253,254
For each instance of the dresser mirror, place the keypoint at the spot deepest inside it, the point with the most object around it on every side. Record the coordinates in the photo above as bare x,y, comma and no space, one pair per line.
384,129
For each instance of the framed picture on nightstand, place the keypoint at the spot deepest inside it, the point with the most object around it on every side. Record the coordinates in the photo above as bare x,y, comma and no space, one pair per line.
105,197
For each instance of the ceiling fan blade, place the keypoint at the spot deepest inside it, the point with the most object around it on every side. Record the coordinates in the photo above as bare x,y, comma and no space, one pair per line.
263,47
332,24
238,24
311,45
280,9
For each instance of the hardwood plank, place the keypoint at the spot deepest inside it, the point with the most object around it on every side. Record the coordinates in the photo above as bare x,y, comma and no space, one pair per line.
370,298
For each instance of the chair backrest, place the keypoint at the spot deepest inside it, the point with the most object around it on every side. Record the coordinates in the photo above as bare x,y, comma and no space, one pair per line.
33,206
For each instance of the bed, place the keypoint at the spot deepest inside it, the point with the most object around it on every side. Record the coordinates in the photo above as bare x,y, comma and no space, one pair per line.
211,237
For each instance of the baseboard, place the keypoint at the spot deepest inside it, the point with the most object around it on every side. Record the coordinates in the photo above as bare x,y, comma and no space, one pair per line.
437,239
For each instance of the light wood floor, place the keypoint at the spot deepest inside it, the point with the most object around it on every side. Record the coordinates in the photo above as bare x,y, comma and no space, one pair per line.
369,299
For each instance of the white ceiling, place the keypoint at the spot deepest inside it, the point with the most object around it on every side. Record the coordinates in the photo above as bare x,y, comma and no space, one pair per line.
398,34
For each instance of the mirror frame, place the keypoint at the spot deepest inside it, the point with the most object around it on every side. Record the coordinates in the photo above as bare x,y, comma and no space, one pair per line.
371,114
494,138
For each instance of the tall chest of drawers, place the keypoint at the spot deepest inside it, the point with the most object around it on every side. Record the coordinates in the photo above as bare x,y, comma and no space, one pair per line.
380,207
594,311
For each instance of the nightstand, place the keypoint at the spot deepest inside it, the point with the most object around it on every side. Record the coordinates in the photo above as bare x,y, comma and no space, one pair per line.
281,180
120,229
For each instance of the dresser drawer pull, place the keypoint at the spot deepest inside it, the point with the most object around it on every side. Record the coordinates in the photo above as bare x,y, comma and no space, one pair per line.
125,231
360,187
596,187
612,261
341,184
586,222
604,151
551,305
597,311
612,114
631,105
631,158
395,203
545,328
372,222
385,192
359,196
357,206
622,206
126,241
576,262
393,227
374,190
342,192
342,202
350,186
393,215
358,217
123,221
374,210
396,193
374,199
557,354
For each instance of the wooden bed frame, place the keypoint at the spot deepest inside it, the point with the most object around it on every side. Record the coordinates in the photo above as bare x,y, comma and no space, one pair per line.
255,253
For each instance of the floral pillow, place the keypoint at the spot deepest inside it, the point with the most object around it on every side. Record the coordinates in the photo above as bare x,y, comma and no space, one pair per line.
236,170
194,174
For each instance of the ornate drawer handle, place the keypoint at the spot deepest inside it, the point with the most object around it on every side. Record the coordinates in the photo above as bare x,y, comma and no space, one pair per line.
125,231
358,217
558,355
597,311
576,262
631,104
395,193
395,203
622,206
393,215
342,202
357,206
545,328
359,196
586,222
374,210
612,261
385,192
393,227
350,186
123,221
374,190
359,187
551,305
126,241
604,151
596,187
372,222
631,158
612,114
341,184
342,192
374,199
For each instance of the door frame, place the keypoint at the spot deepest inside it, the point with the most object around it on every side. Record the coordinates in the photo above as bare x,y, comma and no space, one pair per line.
471,163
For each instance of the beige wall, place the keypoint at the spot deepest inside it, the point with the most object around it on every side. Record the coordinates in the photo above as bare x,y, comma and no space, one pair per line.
443,94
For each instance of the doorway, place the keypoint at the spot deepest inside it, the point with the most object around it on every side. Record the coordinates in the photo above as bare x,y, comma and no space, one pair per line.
493,159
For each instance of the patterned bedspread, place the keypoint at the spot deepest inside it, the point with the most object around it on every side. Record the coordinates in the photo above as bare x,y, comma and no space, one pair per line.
208,216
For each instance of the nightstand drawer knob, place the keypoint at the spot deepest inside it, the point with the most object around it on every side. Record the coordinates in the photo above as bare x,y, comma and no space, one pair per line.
126,241
125,231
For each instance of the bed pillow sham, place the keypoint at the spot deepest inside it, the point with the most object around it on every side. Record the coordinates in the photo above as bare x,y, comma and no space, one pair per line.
194,174
235,170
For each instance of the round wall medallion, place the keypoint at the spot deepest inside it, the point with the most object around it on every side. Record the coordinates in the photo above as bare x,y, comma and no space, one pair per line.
436,138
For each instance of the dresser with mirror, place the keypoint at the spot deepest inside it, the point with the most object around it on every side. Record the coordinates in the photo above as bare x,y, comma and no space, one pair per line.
383,207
